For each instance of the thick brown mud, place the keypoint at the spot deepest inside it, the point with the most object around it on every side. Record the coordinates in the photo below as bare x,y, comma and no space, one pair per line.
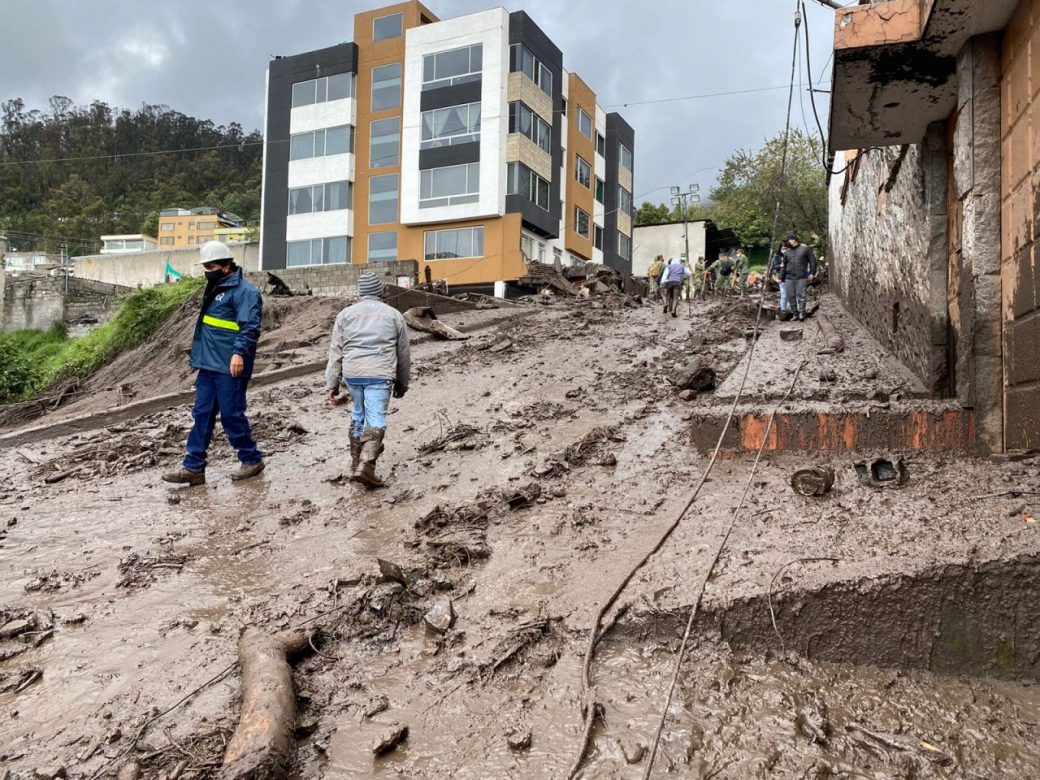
523,481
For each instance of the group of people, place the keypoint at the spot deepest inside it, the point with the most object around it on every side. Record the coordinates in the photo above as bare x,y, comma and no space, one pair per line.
674,280
368,355
793,267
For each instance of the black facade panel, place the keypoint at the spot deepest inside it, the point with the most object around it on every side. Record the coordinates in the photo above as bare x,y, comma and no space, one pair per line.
618,132
282,74
456,95
523,30
443,156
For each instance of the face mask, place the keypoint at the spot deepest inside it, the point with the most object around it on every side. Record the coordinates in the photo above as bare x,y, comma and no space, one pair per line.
214,276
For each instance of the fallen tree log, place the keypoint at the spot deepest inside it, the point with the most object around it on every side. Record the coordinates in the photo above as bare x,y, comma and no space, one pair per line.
833,341
259,749
423,318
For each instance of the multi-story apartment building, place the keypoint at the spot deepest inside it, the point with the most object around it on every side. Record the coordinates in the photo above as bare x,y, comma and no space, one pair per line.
193,227
462,144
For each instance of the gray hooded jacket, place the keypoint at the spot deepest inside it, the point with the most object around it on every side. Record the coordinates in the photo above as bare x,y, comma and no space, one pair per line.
369,341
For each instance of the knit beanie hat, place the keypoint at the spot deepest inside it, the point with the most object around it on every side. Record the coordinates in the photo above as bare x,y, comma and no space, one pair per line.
370,285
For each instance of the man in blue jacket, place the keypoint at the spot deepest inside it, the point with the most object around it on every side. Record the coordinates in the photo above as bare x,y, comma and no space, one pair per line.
223,351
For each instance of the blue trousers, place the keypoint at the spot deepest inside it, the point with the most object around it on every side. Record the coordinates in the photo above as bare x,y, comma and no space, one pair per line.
371,399
224,395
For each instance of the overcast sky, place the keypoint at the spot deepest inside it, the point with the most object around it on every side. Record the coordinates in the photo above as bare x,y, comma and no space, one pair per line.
208,59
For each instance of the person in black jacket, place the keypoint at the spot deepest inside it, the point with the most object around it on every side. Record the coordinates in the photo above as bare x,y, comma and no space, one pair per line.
799,269
223,350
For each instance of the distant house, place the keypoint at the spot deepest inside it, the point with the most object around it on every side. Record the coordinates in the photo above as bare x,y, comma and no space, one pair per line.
31,261
129,242
180,228
669,240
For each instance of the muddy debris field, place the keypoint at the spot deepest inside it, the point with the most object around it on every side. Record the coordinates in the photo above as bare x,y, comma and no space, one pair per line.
886,628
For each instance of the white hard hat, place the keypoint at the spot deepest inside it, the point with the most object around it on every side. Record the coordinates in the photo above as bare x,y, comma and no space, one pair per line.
214,252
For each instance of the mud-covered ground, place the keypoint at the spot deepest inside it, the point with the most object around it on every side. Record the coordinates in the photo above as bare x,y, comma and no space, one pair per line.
528,469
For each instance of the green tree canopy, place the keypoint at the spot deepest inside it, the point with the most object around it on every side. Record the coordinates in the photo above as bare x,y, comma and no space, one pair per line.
659,213
73,173
746,194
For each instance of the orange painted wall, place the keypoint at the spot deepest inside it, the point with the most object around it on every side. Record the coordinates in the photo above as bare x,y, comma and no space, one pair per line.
580,96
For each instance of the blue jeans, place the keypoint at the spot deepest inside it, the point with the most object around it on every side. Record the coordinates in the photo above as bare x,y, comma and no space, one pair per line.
219,393
784,305
371,399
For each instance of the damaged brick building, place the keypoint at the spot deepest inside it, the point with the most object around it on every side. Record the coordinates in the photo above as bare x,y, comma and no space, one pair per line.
935,129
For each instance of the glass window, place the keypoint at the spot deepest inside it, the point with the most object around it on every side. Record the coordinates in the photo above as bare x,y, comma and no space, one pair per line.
386,142
452,244
584,123
601,145
301,146
583,172
167,226
624,246
382,247
339,140
337,195
336,249
449,186
522,61
341,86
581,222
303,93
387,27
457,66
386,86
597,236
298,253
333,196
626,157
166,240
526,122
601,187
521,180
317,251
382,199
624,200
191,226
449,126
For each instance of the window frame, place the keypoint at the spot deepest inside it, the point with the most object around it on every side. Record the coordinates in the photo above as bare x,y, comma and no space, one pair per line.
583,114
538,127
517,172
321,85
372,164
473,230
597,237
382,233
323,246
622,193
295,137
600,193
458,199
622,254
471,135
400,84
396,198
539,73
468,77
578,211
578,162
324,197
622,150
376,36
601,144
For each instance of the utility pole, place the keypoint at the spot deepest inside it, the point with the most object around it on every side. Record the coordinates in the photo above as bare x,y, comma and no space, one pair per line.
64,266
681,199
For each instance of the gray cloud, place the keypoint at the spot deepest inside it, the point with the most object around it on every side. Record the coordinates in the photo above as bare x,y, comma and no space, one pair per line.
209,60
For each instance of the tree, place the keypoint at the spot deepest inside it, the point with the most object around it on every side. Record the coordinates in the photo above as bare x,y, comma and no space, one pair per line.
651,214
746,194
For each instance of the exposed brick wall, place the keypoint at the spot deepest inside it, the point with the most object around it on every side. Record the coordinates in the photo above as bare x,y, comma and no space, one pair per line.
35,303
337,281
888,254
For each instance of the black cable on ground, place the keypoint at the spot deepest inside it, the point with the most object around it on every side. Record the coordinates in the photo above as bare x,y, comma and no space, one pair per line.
589,707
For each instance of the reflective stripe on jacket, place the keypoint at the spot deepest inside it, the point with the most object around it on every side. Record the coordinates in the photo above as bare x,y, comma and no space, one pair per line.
369,341
228,324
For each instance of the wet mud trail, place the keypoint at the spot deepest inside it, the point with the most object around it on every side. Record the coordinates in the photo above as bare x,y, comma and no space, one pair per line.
527,468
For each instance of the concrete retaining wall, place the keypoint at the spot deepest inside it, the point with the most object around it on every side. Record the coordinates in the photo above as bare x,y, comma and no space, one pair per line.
335,281
148,269
40,302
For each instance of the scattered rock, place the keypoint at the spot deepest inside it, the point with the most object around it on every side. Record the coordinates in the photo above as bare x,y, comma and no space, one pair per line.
375,706
392,572
501,346
390,739
129,771
13,628
790,334
695,375
828,376
519,739
441,616
687,395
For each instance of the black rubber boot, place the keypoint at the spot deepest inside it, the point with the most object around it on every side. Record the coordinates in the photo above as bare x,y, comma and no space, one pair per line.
371,449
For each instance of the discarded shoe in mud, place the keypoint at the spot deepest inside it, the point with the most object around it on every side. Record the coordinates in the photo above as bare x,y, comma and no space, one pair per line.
813,481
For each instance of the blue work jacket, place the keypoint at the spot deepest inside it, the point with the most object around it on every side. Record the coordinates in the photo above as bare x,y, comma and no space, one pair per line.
228,324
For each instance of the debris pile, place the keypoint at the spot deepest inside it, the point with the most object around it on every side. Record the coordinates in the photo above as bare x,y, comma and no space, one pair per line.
591,449
140,571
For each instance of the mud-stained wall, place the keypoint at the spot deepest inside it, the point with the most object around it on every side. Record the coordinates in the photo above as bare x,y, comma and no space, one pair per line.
888,252
336,281
1020,205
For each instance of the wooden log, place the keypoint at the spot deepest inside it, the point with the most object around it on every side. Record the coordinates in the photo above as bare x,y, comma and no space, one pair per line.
833,341
260,747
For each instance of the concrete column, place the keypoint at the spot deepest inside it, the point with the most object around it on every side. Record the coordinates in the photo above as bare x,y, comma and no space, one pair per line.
977,156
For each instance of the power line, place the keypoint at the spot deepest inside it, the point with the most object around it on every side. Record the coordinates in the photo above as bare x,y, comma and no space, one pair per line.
698,97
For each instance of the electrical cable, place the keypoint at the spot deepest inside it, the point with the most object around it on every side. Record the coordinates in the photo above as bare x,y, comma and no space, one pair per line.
587,705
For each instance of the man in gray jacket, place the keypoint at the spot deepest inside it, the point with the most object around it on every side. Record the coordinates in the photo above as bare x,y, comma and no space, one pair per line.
369,354
798,270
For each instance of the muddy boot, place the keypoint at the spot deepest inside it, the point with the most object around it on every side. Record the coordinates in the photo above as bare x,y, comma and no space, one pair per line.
185,477
355,452
245,472
371,449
